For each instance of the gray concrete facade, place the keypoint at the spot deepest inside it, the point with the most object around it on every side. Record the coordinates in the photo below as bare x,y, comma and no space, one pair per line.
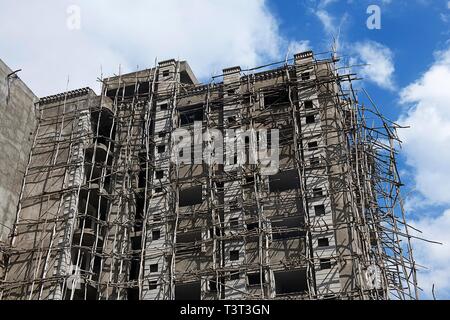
17,125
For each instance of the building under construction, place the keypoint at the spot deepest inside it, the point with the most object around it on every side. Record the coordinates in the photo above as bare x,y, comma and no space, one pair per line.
109,207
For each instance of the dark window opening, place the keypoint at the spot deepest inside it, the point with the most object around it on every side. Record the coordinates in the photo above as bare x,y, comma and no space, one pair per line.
191,196
235,275
314,161
234,222
283,181
252,226
231,91
188,291
152,285
232,120
190,115
133,294
156,234
249,180
246,98
312,146
136,243
134,268
158,190
161,149
289,282
254,279
154,267
323,242
308,104
161,134
317,192
212,286
319,210
325,264
163,107
305,76
165,73
159,174
234,255
310,119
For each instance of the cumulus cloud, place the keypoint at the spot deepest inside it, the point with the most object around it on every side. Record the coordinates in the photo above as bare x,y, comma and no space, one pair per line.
427,148
211,35
378,63
427,143
434,257
327,20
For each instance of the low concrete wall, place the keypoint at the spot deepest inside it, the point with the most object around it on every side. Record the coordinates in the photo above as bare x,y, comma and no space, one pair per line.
17,125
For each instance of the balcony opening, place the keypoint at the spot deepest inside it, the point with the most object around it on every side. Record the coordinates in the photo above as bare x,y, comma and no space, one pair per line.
283,181
188,242
191,114
191,196
287,228
188,291
144,88
290,282
275,99
254,279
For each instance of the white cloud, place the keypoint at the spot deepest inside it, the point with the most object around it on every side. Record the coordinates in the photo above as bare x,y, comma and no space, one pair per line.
327,20
427,148
298,46
434,256
427,143
378,60
211,35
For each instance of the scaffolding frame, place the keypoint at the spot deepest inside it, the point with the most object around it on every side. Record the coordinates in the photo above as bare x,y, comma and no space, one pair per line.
87,249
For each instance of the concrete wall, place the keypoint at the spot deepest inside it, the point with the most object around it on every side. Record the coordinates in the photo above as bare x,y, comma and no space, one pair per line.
17,124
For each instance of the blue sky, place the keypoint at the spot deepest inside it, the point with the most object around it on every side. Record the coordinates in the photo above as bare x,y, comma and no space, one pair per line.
407,68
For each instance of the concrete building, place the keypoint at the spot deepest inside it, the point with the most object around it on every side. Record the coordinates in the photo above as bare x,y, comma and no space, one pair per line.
17,125
112,207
